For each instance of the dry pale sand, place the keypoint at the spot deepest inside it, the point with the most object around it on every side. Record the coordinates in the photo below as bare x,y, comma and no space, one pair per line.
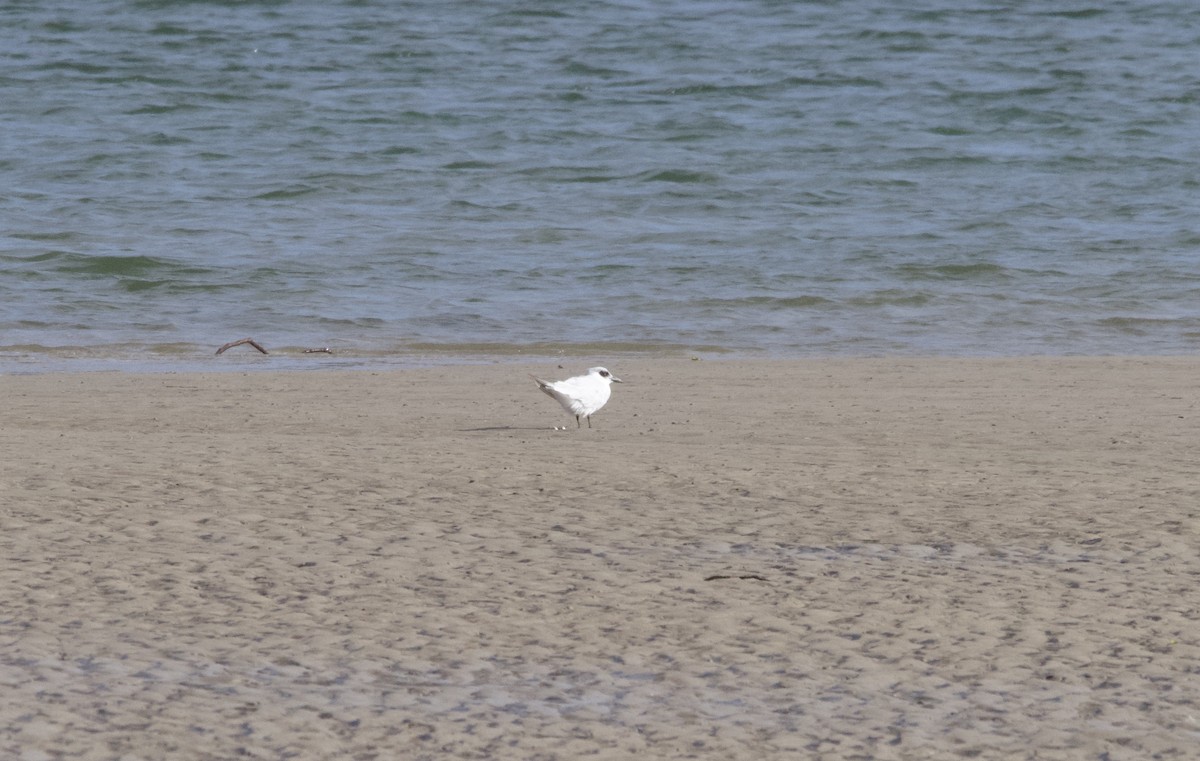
861,559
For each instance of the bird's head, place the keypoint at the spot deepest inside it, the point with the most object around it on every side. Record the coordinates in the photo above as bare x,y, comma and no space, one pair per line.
605,374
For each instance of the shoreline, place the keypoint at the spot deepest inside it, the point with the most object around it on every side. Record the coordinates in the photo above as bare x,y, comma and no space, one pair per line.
292,360
832,558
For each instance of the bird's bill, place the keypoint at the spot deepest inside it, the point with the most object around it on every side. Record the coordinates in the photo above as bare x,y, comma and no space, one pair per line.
615,379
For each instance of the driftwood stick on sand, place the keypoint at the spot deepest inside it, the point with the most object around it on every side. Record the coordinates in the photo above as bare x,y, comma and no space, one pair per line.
250,341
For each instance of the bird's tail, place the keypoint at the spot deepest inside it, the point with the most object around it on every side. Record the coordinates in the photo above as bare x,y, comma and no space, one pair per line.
544,385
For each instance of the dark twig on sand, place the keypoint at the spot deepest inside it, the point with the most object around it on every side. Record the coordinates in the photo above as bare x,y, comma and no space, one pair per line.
250,341
743,577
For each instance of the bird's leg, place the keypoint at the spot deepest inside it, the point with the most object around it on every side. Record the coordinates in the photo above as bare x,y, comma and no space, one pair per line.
589,421
577,425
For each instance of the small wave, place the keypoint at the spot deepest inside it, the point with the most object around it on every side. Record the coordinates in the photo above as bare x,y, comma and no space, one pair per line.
138,285
162,138
283,194
768,302
1083,13
897,41
77,66
137,272
520,15
980,271
832,81
603,270
170,30
371,323
680,176
562,350
948,131
134,285
1140,326
891,297
49,236
579,68
584,174
126,266
469,164
158,109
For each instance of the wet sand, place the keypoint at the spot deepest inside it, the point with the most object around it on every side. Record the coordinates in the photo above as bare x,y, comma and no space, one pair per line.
827,559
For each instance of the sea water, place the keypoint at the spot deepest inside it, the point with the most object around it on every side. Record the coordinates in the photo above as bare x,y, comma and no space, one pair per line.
391,180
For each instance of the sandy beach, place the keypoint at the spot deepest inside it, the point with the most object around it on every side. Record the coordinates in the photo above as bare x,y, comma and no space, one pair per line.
825,559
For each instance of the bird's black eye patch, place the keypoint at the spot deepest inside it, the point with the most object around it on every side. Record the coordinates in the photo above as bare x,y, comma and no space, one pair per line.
604,373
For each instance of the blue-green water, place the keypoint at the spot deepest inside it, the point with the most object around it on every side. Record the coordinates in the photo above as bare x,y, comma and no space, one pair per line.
766,178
